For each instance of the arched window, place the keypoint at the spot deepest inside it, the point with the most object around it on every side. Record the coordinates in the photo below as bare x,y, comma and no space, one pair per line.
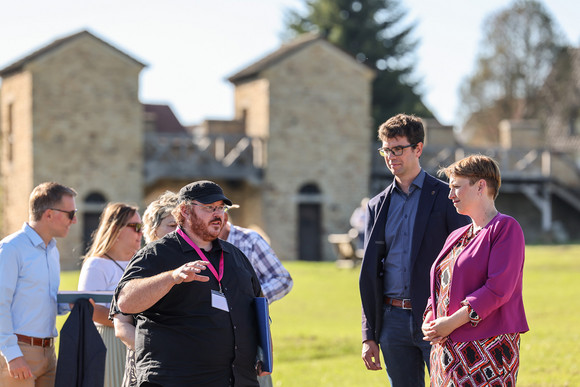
94,204
310,189
309,223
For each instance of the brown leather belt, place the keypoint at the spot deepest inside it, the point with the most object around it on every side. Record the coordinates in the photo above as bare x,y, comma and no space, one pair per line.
403,304
35,341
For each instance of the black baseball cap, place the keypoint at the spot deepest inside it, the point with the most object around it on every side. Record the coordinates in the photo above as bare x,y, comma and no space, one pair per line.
204,191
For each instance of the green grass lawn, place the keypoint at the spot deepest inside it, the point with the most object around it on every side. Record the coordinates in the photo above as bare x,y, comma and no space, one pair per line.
316,328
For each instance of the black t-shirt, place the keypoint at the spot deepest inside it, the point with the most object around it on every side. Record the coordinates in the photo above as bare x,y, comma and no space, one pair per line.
182,340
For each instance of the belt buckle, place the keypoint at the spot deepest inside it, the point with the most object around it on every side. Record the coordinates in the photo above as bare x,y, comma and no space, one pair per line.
404,301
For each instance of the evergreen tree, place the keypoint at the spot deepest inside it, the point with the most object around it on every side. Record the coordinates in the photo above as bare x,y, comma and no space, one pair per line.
370,30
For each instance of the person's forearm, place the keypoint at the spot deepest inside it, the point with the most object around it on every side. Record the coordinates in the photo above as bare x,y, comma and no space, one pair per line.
125,331
277,287
142,293
459,318
428,316
101,315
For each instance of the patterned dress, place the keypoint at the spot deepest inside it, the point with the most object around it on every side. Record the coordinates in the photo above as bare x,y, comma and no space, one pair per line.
490,362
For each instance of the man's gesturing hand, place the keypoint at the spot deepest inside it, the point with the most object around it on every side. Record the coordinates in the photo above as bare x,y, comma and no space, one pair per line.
190,272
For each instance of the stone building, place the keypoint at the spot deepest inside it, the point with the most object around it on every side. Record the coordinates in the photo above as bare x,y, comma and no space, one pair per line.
295,156
306,108
70,113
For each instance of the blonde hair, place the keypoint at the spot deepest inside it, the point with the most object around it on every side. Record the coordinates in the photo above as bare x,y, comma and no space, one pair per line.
154,214
475,168
114,217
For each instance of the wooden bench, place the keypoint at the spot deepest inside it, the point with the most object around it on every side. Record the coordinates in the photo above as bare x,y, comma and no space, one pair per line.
345,247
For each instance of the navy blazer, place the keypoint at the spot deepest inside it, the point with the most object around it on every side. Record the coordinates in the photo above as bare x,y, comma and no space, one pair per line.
81,355
436,218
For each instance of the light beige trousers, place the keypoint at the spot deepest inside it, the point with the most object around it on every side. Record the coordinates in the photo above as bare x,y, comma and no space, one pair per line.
42,362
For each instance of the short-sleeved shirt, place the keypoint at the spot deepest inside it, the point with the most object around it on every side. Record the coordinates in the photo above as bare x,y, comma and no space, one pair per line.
99,274
182,340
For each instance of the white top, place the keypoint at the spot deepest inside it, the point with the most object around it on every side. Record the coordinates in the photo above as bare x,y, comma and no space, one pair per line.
101,274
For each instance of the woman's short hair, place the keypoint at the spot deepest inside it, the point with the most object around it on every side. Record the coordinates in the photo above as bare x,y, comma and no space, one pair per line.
154,214
475,168
114,217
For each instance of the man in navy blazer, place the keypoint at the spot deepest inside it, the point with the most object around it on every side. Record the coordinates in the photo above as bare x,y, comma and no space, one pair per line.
406,227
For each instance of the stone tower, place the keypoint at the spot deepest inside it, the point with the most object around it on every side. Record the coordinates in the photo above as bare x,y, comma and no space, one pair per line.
70,113
312,102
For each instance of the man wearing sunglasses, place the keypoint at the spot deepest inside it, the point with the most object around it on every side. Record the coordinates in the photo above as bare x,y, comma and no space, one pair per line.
406,227
192,295
29,280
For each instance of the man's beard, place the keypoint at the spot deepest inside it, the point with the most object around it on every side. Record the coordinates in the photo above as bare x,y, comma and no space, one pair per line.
199,228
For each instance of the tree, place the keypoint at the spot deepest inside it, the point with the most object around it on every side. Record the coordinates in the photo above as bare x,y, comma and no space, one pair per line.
370,30
519,48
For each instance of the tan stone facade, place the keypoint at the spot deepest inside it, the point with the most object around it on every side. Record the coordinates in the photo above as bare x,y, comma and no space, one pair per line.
76,119
17,149
314,108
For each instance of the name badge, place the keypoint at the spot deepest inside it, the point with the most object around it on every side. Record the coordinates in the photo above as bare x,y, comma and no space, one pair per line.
218,300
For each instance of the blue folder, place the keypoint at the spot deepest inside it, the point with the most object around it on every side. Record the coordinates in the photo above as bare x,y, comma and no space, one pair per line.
264,336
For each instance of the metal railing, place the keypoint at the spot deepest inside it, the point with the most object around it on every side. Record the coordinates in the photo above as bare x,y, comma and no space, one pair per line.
186,156
515,163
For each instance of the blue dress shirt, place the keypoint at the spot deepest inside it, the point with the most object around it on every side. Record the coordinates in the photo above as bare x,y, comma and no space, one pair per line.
399,237
29,281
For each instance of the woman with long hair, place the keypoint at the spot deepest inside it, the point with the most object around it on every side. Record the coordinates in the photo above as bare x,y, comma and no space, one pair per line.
114,243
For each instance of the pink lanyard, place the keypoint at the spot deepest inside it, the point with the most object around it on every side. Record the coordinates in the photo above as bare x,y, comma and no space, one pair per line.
202,255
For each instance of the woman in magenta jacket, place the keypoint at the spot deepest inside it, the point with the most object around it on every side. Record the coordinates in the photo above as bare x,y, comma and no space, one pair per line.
475,314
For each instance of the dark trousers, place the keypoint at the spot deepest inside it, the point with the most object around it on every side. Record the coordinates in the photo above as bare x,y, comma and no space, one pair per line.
404,351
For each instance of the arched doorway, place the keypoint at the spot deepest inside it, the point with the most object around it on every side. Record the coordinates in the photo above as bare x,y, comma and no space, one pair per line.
309,223
93,205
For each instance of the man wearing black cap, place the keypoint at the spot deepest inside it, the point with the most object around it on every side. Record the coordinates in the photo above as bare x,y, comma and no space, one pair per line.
193,328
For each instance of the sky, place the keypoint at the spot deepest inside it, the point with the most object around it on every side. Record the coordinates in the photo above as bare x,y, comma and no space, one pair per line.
191,47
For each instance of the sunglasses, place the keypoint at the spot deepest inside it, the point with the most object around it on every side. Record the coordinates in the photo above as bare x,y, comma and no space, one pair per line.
138,227
71,214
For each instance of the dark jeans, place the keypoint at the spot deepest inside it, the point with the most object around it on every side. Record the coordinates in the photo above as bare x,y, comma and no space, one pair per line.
404,351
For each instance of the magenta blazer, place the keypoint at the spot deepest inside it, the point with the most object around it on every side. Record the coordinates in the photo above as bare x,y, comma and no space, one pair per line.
488,273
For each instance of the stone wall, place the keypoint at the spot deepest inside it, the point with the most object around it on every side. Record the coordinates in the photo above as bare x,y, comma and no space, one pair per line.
252,102
86,129
319,117
17,150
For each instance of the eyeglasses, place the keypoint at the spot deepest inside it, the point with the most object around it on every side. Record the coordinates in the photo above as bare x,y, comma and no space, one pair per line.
137,226
212,209
396,150
71,214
